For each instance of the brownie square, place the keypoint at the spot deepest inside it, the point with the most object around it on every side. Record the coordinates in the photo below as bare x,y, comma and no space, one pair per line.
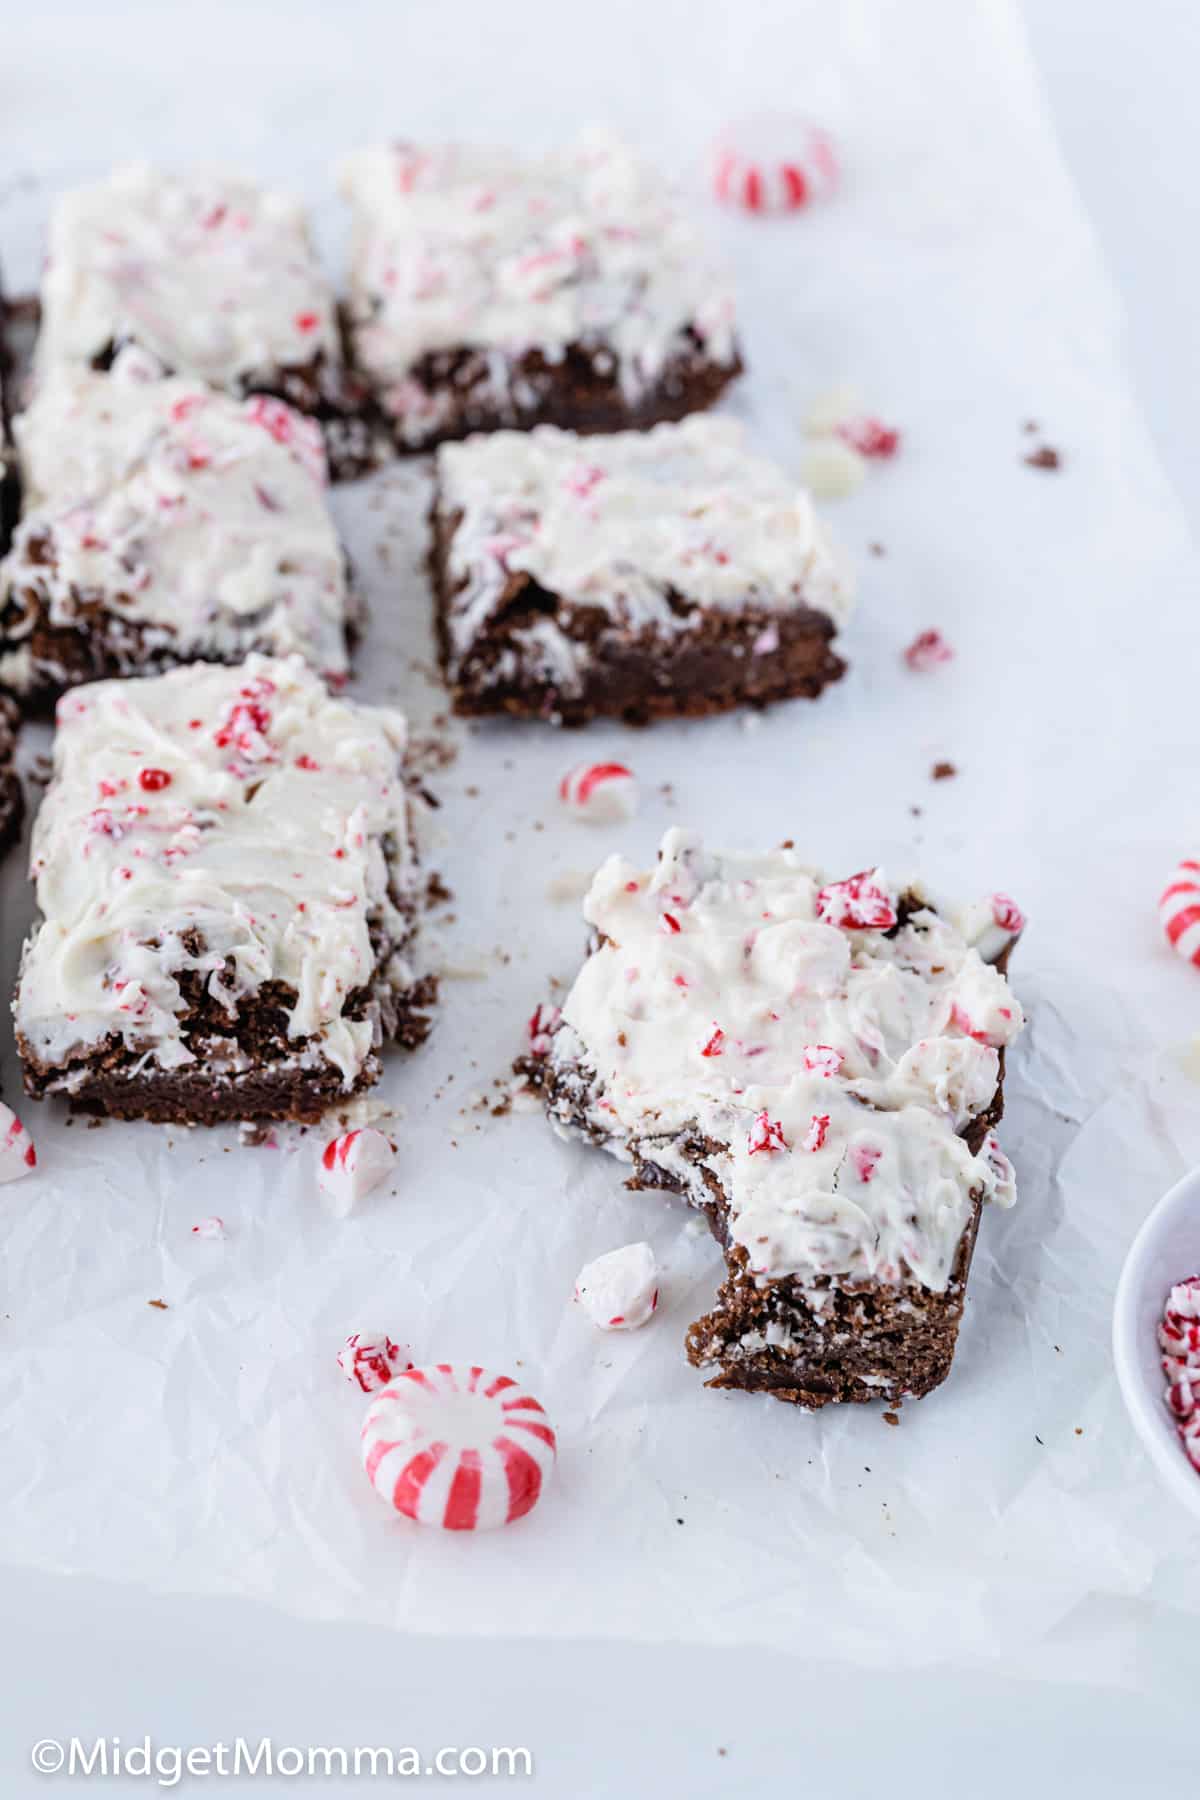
641,576
489,290
229,891
215,279
817,1066
166,523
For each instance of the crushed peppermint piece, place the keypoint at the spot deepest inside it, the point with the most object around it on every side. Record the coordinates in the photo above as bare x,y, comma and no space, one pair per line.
17,1154
352,1165
599,793
457,1447
860,903
541,1026
714,1043
774,163
370,1359
928,650
832,470
619,1291
213,1227
870,437
818,1131
821,1059
765,1134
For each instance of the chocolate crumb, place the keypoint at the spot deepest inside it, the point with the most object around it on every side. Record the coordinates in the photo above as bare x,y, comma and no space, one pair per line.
1043,458
159,1305
877,549
943,771
891,1418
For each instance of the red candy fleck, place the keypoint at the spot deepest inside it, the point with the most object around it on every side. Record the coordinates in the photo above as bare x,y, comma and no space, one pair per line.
714,1044
305,761
541,1025
927,650
864,1159
765,1134
822,1059
307,321
153,780
1007,914
669,924
818,1131
857,904
869,437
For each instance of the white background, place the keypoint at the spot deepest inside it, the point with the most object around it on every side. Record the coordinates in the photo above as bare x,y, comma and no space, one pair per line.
87,1657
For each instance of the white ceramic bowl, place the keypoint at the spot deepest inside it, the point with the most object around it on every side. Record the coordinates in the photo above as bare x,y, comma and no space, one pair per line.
1165,1250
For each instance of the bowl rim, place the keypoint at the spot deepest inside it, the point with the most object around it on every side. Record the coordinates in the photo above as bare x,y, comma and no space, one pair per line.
1144,1403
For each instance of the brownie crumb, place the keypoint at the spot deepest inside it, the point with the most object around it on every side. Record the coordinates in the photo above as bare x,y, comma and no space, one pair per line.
1043,458
877,549
159,1305
891,1418
943,771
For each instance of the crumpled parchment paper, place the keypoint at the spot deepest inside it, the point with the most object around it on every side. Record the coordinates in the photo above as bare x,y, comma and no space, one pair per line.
1011,1518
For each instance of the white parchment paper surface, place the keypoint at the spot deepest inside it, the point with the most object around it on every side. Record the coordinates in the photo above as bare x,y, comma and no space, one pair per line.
1010,1519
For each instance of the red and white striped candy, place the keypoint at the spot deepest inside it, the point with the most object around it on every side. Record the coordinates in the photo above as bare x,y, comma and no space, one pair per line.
353,1164
1179,910
1179,1341
372,1360
599,793
774,164
17,1154
458,1447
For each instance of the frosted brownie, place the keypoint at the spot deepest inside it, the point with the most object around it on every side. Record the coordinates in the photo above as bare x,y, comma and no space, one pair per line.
642,575
226,871
164,523
488,290
212,276
817,1066
12,803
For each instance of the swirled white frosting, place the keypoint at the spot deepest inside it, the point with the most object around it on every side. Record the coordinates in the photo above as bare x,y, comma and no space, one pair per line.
467,248
194,517
212,274
632,524
830,1066
239,823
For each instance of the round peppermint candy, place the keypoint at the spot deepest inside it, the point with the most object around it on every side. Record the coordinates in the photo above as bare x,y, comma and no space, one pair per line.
775,163
1179,910
458,1447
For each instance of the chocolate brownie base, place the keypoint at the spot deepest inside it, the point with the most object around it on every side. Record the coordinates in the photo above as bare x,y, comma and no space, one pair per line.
709,665
456,392
246,1068
12,799
104,642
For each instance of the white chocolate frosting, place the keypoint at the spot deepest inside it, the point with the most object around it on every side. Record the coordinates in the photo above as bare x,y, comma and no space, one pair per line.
236,822
832,1059
458,248
210,273
629,524
197,518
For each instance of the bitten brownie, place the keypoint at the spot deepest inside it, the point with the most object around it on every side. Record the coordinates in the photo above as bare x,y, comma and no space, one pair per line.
817,1066
226,870
166,523
640,576
214,279
488,290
